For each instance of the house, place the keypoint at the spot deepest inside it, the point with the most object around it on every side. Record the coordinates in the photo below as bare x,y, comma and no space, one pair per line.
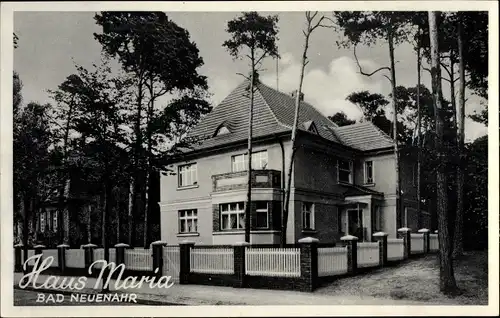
343,180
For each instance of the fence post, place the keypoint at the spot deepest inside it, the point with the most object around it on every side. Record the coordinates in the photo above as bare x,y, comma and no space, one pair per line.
352,253
18,257
381,238
120,253
427,240
185,266
61,257
157,250
405,234
239,256
89,255
309,262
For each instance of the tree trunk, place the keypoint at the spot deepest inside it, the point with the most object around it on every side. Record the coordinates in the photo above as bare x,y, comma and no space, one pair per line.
148,162
286,207
419,144
137,163
458,246
248,207
89,224
447,281
63,236
130,219
390,37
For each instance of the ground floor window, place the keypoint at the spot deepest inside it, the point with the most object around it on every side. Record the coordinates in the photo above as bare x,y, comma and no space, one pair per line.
188,221
262,215
232,216
307,216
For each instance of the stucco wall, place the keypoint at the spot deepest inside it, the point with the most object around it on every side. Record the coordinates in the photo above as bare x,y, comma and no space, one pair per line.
383,171
199,197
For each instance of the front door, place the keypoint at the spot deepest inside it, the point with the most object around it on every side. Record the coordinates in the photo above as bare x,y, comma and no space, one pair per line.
355,223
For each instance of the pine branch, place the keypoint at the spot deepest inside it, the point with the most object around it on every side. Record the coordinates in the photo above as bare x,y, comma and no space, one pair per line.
372,73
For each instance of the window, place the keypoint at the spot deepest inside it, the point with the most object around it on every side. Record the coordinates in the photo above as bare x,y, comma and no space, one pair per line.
232,216
188,221
222,131
369,179
262,215
344,169
54,220
240,162
307,216
42,222
188,175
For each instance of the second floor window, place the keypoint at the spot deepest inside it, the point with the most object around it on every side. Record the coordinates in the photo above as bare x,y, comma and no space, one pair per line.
232,216
344,168
240,162
307,216
188,221
188,175
369,172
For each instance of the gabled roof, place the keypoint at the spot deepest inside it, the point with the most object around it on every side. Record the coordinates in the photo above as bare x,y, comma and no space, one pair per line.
274,113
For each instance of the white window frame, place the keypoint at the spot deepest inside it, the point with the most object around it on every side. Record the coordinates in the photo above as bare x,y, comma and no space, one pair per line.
237,212
260,161
365,165
54,221
266,210
339,169
311,215
42,222
188,215
186,170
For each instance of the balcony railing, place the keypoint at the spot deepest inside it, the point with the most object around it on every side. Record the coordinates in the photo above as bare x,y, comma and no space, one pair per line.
239,180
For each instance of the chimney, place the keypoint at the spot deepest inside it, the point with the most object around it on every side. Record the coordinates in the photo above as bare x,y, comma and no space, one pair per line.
294,94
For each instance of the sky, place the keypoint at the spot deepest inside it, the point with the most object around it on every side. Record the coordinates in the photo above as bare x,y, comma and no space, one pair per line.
50,43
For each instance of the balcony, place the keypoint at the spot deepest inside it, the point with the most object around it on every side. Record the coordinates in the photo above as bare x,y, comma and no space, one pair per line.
239,180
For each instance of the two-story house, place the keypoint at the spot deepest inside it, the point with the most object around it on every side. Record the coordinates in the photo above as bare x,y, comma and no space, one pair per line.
343,180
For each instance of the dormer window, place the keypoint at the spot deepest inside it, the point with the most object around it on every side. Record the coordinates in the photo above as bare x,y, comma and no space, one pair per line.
222,130
313,129
310,126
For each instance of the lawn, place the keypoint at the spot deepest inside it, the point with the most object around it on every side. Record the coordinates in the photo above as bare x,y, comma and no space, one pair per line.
418,279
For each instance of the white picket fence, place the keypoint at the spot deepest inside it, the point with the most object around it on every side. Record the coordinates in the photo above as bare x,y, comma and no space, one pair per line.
274,262
433,242
138,259
54,254
212,260
75,258
417,243
171,262
395,249
332,261
99,255
368,254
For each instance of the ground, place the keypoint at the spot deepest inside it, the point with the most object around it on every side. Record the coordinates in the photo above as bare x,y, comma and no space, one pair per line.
418,280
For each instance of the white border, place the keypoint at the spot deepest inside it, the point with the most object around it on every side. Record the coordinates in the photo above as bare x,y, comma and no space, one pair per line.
8,309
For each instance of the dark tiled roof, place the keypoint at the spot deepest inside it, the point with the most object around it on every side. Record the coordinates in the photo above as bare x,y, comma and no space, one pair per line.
274,113
363,136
